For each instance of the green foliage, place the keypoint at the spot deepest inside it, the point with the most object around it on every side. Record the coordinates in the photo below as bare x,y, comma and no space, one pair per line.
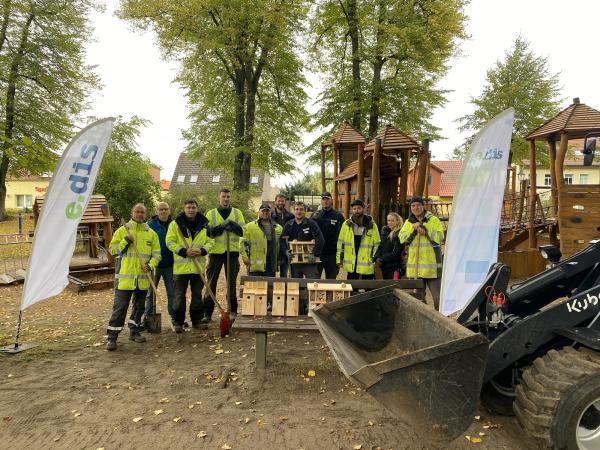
208,200
124,176
309,184
522,81
44,82
402,53
242,74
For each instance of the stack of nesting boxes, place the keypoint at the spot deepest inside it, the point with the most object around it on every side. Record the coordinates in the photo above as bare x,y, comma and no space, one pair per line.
319,293
254,300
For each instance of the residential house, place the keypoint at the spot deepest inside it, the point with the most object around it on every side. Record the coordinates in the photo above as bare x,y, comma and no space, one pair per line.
190,174
442,181
574,172
21,191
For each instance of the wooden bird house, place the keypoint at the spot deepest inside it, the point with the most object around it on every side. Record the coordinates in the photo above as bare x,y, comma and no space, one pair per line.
293,299
301,250
260,298
248,299
319,293
278,299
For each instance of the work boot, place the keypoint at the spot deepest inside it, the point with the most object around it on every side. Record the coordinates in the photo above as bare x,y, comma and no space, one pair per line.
137,337
111,344
200,326
206,319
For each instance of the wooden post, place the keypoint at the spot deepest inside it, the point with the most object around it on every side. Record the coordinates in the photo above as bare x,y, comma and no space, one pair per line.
422,169
560,160
323,181
260,338
346,208
427,172
335,174
531,204
375,179
513,176
108,235
553,184
404,168
360,189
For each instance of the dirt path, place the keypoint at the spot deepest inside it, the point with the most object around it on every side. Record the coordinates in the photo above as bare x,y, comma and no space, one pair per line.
201,393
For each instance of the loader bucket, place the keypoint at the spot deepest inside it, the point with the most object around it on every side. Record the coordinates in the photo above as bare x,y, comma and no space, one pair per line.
422,366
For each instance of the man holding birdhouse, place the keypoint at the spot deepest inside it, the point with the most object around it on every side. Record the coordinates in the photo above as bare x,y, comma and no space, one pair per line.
188,239
260,244
138,250
302,229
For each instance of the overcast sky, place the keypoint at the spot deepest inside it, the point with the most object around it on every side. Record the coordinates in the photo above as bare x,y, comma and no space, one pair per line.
137,81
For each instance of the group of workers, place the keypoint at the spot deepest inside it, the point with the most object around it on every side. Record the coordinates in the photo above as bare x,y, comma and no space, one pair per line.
176,250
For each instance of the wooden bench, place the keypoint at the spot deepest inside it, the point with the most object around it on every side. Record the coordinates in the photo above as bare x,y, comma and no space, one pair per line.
261,325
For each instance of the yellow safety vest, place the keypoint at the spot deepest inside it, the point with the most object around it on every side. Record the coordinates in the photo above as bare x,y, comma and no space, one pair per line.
129,274
368,246
214,219
426,265
181,265
254,238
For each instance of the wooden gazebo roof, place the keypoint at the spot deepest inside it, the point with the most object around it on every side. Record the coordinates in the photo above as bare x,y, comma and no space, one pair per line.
393,141
93,212
346,134
388,169
577,121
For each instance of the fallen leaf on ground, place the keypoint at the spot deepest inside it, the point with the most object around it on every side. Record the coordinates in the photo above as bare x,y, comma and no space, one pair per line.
89,400
56,439
477,417
283,418
137,419
191,406
177,419
312,373
164,400
158,411
238,403
198,403
370,423
247,419
218,352
357,446
226,447
77,414
202,434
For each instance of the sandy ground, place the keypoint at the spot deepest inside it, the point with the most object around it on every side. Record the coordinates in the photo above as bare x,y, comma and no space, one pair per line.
203,392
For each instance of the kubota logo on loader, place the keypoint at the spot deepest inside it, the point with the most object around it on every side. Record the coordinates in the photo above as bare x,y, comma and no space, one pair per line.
581,304
79,183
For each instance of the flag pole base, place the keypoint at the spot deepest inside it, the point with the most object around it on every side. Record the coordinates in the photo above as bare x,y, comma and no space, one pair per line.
12,349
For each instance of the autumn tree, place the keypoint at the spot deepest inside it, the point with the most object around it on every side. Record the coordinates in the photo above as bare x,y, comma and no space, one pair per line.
522,80
44,82
242,75
381,60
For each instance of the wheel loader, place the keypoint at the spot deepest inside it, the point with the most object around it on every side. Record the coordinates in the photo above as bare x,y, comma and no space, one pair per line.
531,349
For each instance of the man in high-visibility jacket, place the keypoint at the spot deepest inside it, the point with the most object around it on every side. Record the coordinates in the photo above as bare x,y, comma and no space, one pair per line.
358,232
192,227
421,234
226,224
260,244
138,250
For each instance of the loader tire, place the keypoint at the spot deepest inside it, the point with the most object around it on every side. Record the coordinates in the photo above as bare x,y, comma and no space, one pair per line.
498,395
558,399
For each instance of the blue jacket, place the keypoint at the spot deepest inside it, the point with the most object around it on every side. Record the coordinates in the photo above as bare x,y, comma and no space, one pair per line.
161,230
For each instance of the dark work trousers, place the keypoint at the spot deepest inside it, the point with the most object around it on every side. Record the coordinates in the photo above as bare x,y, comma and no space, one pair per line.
167,275
360,276
388,274
283,268
303,270
330,267
180,283
261,274
119,312
213,270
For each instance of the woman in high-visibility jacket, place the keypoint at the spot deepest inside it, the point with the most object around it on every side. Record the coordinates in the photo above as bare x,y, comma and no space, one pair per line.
421,234
358,231
260,244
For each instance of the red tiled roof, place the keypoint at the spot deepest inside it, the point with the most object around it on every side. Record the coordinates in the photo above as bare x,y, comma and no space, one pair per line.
449,179
165,185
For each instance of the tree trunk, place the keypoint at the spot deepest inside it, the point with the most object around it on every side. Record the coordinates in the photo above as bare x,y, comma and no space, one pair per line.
4,24
353,31
378,63
11,91
240,130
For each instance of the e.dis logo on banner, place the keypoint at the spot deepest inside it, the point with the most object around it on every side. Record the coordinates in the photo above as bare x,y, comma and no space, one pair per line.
79,180
492,153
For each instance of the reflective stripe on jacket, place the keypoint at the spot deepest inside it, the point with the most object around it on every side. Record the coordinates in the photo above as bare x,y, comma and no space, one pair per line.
369,242
130,274
255,240
181,265
426,266
214,219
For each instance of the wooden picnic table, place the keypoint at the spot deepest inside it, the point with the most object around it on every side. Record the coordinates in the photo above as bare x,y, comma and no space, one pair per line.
261,325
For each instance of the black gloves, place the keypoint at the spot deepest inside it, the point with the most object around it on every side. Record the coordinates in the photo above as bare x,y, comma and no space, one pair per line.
128,238
203,251
182,252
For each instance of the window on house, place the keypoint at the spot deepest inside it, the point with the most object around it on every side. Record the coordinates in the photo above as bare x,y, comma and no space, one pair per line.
216,178
254,180
547,180
24,201
583,178
180,178
429,180
193,179
568,178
